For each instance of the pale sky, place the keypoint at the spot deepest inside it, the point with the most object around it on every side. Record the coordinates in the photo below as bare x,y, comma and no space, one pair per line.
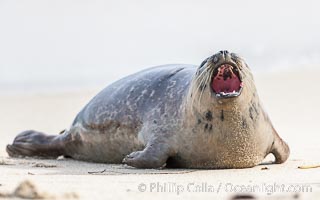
64,42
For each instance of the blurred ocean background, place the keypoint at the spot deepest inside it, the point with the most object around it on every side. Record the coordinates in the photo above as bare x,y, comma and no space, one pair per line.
75,44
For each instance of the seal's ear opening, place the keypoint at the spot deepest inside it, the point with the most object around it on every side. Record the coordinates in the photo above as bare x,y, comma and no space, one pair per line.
226,81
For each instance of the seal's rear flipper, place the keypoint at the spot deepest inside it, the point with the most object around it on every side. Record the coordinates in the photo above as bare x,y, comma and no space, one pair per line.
36,144
280,149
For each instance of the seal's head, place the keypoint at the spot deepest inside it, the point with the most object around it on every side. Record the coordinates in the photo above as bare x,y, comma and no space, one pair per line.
223,77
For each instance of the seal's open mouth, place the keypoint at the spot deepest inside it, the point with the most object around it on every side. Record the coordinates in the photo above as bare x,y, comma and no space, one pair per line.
226,81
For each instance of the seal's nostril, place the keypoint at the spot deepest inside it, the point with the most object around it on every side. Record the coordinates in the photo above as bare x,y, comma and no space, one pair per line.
225,52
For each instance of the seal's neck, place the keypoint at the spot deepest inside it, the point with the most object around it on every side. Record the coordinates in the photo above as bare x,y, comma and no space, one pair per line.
217,110
213,110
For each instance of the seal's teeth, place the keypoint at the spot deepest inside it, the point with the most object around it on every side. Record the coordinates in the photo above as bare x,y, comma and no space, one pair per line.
234,92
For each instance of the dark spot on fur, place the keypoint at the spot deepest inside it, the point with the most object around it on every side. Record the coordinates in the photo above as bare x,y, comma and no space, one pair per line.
209,115
255,108
210,127
222,116
202,86
206,126
251,112
244,123
199,121
155,121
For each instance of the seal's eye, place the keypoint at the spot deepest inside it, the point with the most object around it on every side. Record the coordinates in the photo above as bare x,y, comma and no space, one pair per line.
203,63
238,60
234,57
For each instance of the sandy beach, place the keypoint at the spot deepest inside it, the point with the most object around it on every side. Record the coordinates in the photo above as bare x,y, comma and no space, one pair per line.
290,98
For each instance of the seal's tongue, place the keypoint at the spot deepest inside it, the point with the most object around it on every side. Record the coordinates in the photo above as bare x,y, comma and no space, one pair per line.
226,81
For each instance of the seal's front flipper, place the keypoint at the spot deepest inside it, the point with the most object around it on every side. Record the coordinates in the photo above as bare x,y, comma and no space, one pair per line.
155,155
35,144
280,149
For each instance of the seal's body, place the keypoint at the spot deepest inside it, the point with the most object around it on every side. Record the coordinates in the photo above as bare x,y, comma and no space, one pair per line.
179,115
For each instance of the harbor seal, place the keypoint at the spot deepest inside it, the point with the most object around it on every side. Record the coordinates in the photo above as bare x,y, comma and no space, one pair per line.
173,115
